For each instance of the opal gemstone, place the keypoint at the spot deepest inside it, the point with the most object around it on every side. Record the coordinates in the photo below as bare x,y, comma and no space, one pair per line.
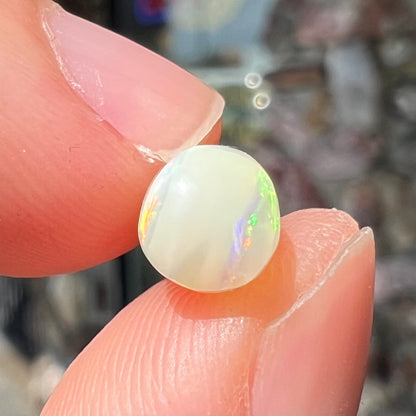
210,220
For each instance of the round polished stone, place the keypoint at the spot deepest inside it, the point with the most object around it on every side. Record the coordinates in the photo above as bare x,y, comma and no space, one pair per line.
210,220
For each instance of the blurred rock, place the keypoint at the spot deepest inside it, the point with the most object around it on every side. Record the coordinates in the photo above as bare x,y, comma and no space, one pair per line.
92,296
45,374
362,201
386,201
297,77
386,17
329,22
375,399
11,293
81,304
393,357
14,375
395,275
405,100
297,118
403,154
398,231
354,85
395,51
341,155
295,190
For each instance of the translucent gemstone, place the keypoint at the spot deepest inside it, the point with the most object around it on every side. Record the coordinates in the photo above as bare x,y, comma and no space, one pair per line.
210,220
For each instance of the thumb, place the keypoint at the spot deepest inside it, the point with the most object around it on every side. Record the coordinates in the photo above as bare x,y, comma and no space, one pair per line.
292,342
86,119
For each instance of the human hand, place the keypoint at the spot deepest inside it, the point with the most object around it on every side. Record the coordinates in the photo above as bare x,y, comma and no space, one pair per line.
76,148
294,341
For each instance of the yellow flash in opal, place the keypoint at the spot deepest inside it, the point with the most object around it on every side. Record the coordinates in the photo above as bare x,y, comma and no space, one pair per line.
148,213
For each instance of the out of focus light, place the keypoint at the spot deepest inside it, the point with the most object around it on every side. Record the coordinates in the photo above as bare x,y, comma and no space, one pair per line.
261,100
253,80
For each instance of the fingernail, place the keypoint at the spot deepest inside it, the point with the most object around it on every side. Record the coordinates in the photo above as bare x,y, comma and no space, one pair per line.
313,359
156,105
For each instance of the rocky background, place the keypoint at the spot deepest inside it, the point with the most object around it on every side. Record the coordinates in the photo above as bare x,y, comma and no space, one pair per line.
323,94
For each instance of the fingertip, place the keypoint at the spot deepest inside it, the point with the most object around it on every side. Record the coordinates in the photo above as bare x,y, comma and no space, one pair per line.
174,351
71,183
315,355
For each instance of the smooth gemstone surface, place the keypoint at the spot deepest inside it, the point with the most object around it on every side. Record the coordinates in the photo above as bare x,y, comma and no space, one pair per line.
210,220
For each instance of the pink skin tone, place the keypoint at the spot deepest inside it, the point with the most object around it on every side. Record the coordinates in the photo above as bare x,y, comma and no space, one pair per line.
294,341
72,180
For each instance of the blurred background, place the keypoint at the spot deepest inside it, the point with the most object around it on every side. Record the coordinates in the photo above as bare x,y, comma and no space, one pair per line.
323,94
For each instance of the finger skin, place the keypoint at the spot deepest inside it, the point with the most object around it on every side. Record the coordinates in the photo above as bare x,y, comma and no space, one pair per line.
71,185
322,345
174,351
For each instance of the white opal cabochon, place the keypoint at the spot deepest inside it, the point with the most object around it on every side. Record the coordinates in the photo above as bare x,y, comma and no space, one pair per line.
210,220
